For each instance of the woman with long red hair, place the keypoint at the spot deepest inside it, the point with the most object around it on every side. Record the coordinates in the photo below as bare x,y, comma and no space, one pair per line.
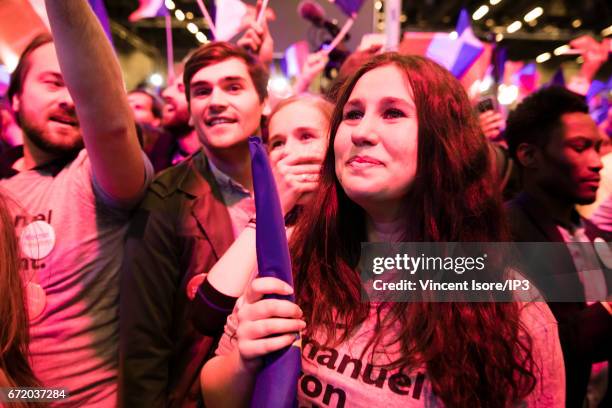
406,162
15,368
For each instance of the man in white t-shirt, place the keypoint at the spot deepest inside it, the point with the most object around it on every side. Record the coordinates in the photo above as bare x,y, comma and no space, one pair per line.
72,205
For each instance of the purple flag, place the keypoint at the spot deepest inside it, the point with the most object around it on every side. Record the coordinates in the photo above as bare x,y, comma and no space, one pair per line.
557,79
276,383
349,7
500,55
470,46
100,11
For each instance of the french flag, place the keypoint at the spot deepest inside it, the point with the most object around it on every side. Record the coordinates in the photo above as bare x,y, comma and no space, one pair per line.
417,43
295,58
527,78
229,19
149,9
457,55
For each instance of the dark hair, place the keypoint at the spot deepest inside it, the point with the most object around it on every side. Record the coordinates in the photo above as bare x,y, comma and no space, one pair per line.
24,65
453,198
156,102
215,52
538,116
14,335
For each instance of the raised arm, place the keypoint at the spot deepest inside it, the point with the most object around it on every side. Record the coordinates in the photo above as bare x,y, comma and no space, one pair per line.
93,78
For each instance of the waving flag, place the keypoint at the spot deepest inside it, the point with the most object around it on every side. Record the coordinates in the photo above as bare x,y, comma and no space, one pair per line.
557,79
229,18
295,58
598,99
148,9
417,43
349,7
456,54
527,78
498,59
276,383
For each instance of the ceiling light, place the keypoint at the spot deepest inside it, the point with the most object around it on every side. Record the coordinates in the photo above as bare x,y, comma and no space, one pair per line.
514,27
533,14
480,13
561,50
543,57
201,37
192,28
156,80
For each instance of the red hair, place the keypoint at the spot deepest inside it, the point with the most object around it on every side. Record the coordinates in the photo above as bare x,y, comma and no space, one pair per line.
476,354
14,335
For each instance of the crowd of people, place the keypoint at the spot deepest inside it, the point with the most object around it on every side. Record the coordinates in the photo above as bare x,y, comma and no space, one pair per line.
127,224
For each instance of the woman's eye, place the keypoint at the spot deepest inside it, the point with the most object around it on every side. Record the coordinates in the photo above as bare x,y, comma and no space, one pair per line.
393,113
307,136
353,114
276,144
53,84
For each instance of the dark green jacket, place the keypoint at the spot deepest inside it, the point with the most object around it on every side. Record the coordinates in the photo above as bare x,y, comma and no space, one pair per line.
180,231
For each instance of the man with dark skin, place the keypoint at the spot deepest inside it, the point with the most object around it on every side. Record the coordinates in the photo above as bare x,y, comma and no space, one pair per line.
556,144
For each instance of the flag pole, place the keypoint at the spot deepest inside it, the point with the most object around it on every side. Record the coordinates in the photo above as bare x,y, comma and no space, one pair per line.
345,29
169,48
207,17
262,12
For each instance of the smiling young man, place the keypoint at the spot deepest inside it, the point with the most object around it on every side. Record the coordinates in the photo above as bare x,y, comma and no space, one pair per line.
72,205
556,145
190,216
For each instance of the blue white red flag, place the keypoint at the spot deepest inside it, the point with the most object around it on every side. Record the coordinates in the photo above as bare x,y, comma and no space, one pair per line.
458,53
148,9
229,18
295,58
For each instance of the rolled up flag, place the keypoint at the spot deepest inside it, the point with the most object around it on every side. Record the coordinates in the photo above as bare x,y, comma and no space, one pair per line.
276,383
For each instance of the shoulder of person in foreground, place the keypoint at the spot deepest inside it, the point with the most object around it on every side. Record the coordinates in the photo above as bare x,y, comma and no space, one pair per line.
549,369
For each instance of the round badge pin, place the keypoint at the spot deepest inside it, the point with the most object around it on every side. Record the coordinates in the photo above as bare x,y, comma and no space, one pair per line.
194,284
36,299
37,240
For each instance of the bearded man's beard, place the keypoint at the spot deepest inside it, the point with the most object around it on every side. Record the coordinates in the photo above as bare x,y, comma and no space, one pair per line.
39,139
